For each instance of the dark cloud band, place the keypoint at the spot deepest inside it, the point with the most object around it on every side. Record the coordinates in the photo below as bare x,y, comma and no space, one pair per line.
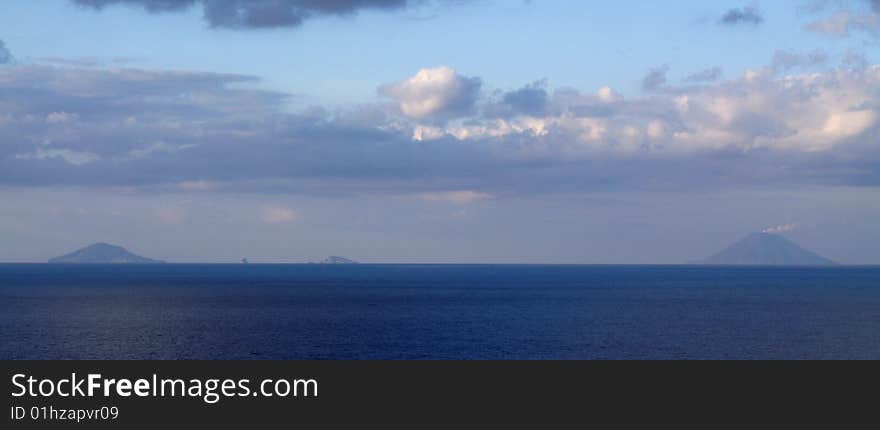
249,14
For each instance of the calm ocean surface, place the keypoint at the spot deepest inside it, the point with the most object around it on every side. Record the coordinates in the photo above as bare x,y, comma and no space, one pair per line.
437,312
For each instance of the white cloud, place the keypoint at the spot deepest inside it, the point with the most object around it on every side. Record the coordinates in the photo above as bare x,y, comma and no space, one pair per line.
498,128
841,125
786,228
806,112
608,95
426,133
437,92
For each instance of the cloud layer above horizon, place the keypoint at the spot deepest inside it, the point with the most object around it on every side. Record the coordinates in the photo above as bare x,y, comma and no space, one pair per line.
441,132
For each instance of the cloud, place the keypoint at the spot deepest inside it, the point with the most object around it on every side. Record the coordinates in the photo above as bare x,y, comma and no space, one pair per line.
786,60
278,215
655,79
748,15
843,23
786,228
435,93
708,75
255,14
126,114
847,20
529,100
607,95
190,131
153,6
5,55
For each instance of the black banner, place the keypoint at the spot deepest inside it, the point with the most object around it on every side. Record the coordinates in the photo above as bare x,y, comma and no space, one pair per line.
333,394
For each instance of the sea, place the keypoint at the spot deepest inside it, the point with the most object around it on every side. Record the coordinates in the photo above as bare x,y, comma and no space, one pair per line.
437,312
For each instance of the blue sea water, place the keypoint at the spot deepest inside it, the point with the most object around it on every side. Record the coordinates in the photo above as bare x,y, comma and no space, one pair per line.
437,312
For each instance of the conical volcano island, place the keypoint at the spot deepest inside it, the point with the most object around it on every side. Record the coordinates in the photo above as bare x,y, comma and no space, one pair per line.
102,253
765,249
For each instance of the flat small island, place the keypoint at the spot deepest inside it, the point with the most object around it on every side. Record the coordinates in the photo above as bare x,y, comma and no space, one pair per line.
337,260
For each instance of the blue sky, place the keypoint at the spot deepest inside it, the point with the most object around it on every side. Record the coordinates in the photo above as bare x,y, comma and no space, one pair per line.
340,60
439,131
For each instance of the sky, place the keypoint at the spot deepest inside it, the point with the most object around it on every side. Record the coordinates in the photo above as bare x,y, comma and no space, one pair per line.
438,131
